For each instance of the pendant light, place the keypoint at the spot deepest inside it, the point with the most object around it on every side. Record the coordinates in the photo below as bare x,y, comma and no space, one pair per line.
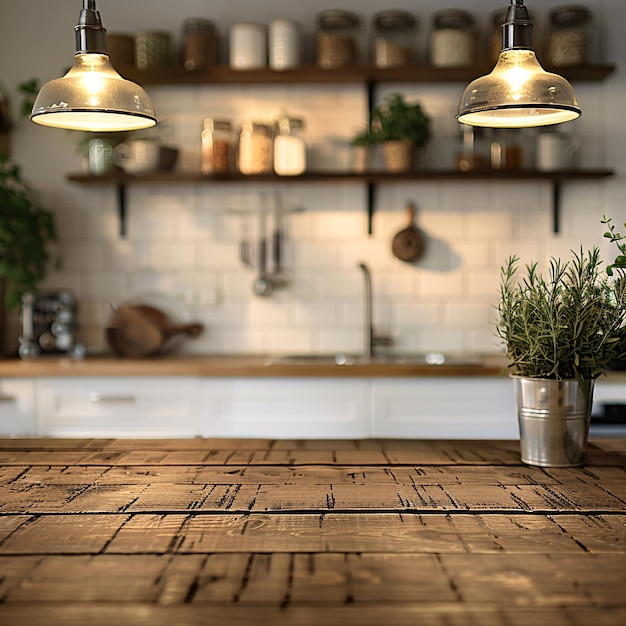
92,96
518,93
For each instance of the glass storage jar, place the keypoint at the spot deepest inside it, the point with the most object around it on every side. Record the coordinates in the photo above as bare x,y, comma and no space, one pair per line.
289,147
217,146
452,40
199,44
569,36
337,39
393,38
255,155
152,49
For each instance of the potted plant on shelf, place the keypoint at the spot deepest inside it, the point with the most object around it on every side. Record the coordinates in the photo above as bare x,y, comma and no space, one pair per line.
26,232
560,333
363,142
401,128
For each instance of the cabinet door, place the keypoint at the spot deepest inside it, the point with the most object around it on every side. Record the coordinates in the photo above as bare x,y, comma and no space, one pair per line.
286,408
446,408
119,407
17,408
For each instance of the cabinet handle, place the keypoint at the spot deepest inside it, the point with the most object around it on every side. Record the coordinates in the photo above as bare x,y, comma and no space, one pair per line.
8,399
102,398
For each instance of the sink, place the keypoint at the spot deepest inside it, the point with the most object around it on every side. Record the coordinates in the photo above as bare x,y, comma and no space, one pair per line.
428,358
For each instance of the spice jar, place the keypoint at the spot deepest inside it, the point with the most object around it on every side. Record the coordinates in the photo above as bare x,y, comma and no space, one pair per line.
217,146
452,41
393,42
289,147
255,149
199,44
473,152
569,37
337,39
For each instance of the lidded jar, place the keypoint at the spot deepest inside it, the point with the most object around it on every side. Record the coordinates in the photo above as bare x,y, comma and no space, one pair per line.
393,38
217,146
452,40
569,35
337,38
255,154
289,147
199,44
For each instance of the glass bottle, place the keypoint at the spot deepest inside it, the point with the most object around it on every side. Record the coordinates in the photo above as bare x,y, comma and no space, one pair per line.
337,39
393,41
217,146
452,41
569,36
199,44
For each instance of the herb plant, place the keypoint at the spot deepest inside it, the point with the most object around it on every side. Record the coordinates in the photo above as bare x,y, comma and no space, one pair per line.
26,231
396,120
570,325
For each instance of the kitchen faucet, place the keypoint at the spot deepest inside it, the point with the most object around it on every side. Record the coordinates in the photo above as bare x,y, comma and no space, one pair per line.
371,338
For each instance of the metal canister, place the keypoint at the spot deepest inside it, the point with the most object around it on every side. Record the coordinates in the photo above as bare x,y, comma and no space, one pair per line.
284,44
199,44
393,38
337,39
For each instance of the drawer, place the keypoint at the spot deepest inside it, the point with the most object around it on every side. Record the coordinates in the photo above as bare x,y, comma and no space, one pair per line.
119,407
17,408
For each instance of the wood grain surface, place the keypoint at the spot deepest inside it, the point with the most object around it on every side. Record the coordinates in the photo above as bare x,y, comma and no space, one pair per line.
366,532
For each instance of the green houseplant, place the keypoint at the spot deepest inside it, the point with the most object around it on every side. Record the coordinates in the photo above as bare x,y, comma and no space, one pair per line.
26,232
401,127
560,333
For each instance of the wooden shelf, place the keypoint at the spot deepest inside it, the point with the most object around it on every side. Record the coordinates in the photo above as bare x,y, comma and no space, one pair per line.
121,180
417,73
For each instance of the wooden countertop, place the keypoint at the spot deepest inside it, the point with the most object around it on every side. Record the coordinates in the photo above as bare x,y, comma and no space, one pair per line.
302,533
241,366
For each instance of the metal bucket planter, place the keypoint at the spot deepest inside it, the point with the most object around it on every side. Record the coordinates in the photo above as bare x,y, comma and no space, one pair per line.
398,155
554,417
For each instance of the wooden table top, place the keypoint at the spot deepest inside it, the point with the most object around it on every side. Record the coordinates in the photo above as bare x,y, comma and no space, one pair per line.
308,533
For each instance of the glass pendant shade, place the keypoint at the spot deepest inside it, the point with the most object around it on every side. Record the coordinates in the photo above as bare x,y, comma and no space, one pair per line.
518,93
92,96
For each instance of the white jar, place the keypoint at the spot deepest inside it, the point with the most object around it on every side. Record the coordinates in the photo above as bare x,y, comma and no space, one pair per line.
289,147
248,46
284,44
255,154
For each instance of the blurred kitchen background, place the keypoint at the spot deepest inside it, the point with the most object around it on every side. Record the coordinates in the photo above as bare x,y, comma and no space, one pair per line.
185,240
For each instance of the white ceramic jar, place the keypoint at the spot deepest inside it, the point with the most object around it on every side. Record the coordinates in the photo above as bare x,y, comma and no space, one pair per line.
284,44
248,46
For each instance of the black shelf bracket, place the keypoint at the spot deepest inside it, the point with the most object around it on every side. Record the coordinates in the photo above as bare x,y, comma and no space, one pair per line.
371,193
556,206
121,207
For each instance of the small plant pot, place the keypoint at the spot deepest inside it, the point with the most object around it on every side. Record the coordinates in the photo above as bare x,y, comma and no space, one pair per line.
554,418
399,155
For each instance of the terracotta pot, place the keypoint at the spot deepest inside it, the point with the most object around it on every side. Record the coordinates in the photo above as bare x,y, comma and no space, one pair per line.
398,155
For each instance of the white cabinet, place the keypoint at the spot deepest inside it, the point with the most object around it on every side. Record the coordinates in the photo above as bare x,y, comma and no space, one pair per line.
119,407
286,408
17,407
447,408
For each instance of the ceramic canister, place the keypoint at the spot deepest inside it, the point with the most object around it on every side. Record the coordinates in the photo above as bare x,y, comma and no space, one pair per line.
248,46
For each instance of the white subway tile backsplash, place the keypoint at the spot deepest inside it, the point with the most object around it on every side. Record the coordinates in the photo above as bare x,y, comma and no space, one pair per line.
184,240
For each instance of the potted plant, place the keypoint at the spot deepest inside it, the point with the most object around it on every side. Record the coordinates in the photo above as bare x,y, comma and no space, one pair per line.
363,142
401,128
26,232
560,333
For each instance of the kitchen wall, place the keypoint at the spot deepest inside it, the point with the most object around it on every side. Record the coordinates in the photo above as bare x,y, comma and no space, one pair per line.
183,240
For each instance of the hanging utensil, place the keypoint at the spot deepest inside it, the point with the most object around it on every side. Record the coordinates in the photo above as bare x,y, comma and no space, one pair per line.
263,286
408,244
